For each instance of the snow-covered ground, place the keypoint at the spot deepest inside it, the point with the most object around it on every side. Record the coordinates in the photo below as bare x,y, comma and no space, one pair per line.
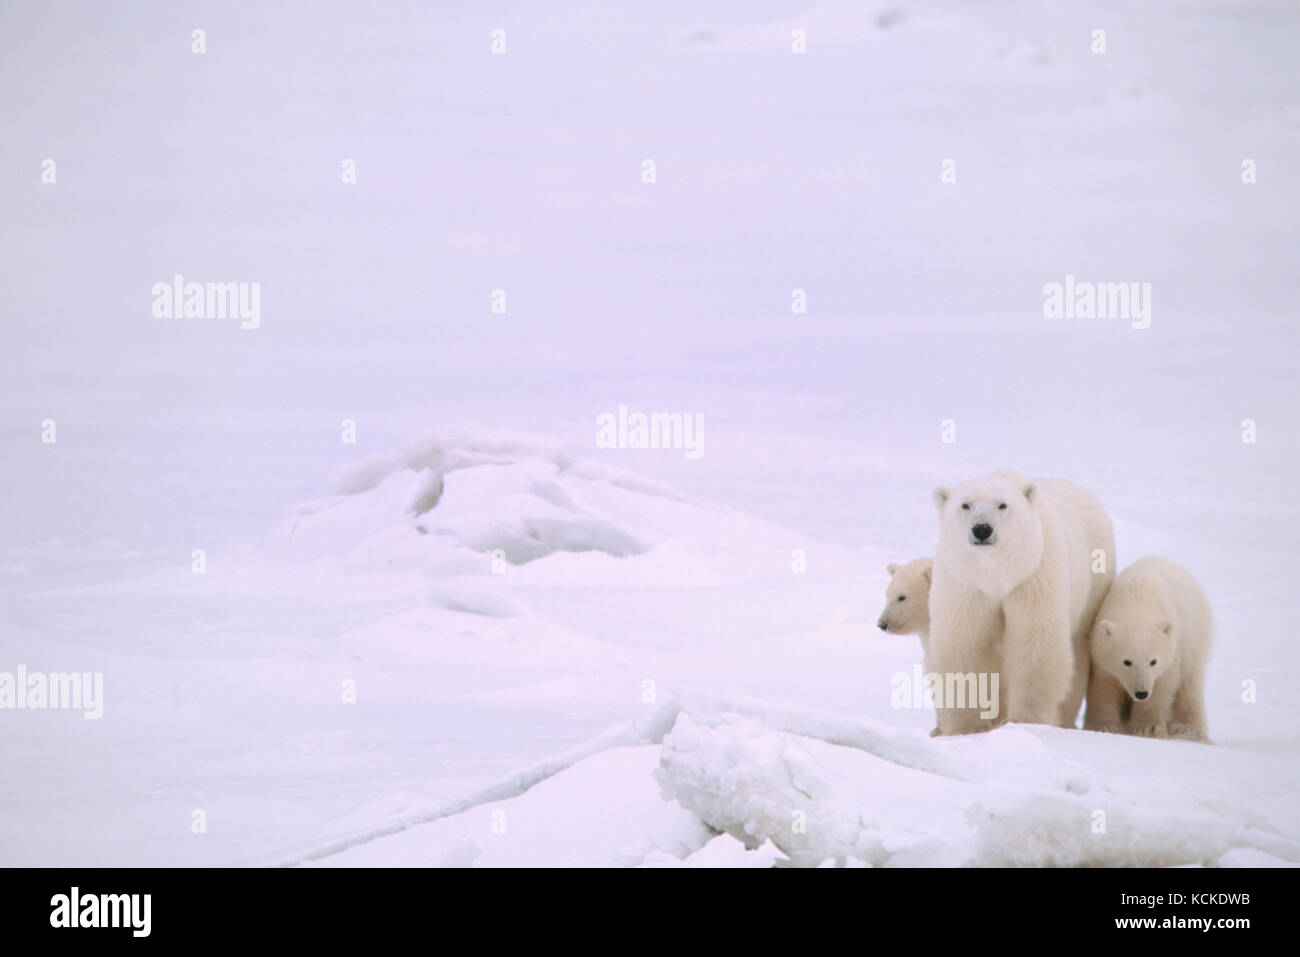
475,637
376,686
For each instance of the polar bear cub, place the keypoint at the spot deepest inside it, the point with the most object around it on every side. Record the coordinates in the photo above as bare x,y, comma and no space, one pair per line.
1020,570
1149,647
907,600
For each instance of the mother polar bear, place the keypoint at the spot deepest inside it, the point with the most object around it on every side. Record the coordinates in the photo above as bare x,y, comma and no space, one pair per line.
1019,573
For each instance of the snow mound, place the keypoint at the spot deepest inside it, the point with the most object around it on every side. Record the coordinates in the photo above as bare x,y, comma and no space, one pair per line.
465,501
742,783
819,801
723,851
487,491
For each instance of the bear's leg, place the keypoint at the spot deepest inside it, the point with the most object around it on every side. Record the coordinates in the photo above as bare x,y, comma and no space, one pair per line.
960,640
1187,718
1150,718
955,696
1079,682
1106,703
950,720
1037,663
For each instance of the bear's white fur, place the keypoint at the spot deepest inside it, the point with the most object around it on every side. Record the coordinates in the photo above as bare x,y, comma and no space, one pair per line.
907,600
907,603
1152,637
1020,604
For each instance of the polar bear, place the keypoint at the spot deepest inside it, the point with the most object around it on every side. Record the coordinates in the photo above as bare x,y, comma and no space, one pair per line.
907,600
1020,570
1149,647
907,603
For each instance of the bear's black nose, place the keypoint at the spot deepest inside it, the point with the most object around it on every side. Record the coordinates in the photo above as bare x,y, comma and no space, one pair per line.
882,625
982,531
1141,695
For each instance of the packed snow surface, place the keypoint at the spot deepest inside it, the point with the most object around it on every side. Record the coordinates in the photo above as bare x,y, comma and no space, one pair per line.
458,621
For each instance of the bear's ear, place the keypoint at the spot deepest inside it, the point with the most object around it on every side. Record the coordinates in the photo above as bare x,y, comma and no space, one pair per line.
891,568
1105,628
925,572
1030,490
941,496
1166,626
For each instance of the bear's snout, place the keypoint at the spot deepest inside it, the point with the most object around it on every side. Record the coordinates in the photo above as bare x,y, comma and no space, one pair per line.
982,533
1142,695
882,625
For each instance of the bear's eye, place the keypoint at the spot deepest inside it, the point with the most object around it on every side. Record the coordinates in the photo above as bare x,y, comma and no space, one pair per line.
1128,662
966,506
1002,506
1153,661
902,597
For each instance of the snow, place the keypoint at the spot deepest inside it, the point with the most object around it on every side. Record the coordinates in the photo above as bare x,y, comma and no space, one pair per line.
564,820
735,695
1049,798
474,608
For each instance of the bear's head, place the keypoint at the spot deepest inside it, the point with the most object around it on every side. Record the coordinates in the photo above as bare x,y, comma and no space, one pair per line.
1134,653
990,532
907,598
